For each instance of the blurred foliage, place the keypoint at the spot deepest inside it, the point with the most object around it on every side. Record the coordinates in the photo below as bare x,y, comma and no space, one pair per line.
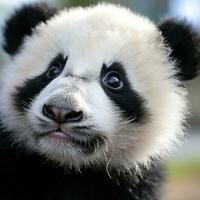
155,9
72,3
182,179
182,168
78,2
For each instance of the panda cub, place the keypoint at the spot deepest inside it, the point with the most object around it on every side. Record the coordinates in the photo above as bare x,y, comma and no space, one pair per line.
91,99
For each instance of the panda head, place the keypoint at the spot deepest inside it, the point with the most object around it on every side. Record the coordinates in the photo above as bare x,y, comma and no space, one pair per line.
98,85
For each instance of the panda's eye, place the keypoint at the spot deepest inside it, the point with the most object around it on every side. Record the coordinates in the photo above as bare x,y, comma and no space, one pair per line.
55,70
113,81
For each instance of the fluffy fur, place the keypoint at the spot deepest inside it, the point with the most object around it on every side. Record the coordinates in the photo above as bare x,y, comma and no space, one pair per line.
120,130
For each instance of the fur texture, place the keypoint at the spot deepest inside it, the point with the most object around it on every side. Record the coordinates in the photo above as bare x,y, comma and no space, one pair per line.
181,37
122,129
25,20
27,176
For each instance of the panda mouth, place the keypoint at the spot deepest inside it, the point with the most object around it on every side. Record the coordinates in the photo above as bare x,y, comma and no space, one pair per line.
89,143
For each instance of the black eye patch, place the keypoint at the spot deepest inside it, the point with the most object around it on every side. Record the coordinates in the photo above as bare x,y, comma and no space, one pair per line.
32,87
129,101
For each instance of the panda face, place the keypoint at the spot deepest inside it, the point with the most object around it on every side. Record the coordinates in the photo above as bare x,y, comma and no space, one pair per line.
87,90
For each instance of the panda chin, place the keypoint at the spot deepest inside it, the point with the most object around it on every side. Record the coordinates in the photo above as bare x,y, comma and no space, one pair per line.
88,144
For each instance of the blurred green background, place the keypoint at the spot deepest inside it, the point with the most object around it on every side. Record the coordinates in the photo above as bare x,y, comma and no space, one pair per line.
183,168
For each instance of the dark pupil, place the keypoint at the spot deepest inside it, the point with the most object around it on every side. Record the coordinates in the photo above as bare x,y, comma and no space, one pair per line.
113,81
54,71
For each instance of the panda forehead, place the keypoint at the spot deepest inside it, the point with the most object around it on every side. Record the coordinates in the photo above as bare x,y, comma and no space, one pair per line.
101,18
85,54
86,33
81,58
88,41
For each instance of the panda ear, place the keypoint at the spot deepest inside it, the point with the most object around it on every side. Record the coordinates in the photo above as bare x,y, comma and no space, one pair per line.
185,44
22,23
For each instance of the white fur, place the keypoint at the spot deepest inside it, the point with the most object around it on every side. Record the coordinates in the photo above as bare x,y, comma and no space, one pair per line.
90,37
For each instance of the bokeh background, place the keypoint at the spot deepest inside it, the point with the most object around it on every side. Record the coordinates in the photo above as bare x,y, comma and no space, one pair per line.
183,168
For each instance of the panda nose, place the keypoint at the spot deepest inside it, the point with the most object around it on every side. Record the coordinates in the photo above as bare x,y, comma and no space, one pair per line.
62,115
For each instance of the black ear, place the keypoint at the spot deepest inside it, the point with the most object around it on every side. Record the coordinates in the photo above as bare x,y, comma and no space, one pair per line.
185,44
22,23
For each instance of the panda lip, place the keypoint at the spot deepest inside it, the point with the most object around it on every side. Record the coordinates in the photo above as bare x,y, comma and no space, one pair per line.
89,144
59,135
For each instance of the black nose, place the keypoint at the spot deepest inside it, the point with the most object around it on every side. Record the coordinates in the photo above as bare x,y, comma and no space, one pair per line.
61,115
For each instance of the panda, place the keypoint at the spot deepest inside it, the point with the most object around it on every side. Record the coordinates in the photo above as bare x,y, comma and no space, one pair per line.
92,100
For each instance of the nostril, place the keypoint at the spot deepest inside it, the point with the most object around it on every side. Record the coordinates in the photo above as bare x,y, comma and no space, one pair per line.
48,112
73,116
61,115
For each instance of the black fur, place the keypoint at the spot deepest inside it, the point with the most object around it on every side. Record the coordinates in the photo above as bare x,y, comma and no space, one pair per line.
128,100
185,44
32,87
22,23
29,177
